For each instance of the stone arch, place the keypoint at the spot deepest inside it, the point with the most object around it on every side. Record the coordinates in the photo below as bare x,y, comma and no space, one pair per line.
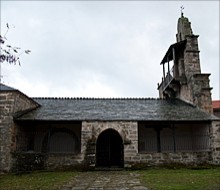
109,149
103,126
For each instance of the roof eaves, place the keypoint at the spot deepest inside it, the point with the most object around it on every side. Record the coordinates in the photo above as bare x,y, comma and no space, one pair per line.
19,114
169,55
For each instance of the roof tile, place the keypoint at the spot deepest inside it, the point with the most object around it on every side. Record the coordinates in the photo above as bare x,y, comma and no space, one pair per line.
216,104
110,109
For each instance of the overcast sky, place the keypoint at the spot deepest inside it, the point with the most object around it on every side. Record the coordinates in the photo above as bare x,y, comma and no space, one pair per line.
102,48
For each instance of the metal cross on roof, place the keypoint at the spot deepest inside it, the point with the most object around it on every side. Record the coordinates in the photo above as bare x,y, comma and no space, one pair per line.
182,7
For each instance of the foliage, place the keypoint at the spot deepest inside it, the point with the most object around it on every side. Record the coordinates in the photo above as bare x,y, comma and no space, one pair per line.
27,162
181,179
9,53
36,180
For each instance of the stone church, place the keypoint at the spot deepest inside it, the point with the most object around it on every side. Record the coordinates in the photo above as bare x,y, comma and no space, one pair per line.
64,133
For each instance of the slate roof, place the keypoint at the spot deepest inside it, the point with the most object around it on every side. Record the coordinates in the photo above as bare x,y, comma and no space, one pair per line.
118,109
6,88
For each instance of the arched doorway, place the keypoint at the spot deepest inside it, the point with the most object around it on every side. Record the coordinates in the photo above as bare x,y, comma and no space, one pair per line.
109,149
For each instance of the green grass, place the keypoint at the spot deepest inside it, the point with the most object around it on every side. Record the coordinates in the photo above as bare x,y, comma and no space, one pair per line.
36,180
153,178
181,179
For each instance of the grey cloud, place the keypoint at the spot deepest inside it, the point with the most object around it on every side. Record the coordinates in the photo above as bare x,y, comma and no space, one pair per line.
115,45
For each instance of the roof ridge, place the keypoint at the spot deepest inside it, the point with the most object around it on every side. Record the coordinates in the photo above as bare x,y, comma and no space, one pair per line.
97,98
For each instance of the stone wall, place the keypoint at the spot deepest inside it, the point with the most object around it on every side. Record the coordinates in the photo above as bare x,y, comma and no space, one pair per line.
86,159
191,56
27,161
185,158
197,92
215,141
129,133
91,131
63,161
10,103
197,89
30,161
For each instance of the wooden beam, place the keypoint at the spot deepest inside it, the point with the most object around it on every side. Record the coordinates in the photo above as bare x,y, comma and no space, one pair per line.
174,63
158,129
163,72
168,68
48,139
174,137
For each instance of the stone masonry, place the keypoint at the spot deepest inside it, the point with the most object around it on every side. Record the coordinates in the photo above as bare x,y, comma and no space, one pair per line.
132,157
91,131
11,102
197,89
128,132
215,131
189,84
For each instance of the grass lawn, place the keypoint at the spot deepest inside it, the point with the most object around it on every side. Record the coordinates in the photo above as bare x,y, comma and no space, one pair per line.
153,178
36,180
181,179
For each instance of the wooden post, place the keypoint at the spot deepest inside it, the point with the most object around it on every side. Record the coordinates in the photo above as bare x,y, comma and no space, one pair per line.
168,69
163,71
174,63
174,137
48,139
158,129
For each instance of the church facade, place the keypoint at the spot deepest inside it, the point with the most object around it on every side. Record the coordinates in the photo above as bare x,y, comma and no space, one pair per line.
65,133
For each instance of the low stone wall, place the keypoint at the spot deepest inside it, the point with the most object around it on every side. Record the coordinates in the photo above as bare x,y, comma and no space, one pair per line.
26,162
64,161
30,161
156,159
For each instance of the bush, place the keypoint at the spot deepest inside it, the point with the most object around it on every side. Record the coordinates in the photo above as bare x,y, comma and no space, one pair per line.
24,162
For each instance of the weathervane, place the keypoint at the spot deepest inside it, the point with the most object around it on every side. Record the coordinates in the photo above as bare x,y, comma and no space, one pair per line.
182,7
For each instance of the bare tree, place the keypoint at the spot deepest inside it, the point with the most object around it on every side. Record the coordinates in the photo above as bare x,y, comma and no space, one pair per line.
9,53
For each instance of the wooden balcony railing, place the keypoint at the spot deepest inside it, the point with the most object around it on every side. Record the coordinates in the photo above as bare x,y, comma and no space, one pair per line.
167,80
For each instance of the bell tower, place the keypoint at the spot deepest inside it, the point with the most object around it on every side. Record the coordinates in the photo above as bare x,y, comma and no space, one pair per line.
183,28
182,77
